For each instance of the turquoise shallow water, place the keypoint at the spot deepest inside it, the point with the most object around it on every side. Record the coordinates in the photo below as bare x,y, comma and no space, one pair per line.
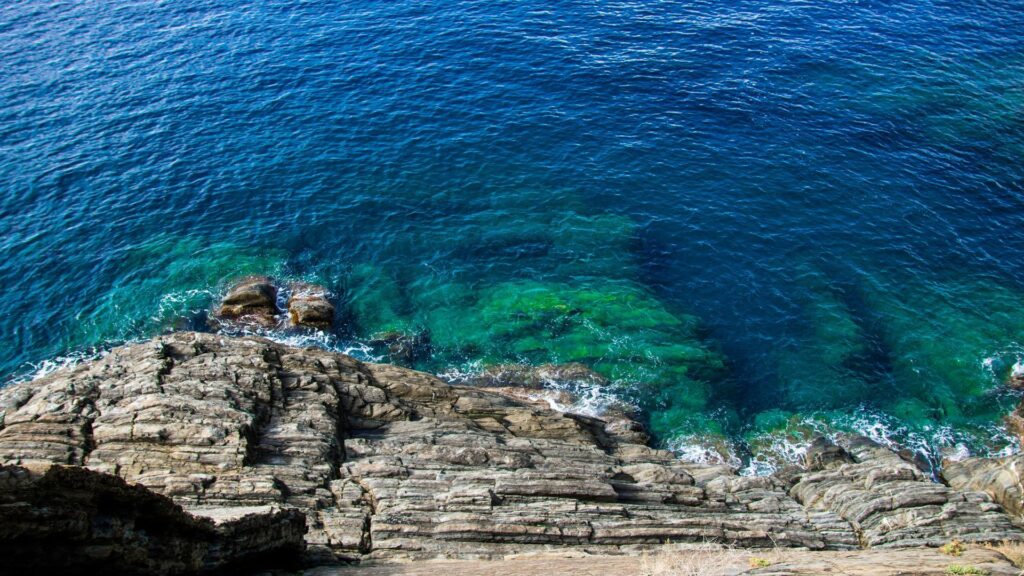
760,219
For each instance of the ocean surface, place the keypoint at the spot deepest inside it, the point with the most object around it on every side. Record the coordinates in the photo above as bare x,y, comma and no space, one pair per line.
761,219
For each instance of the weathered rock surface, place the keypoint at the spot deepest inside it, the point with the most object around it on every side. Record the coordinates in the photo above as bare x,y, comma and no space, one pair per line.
1000,478
824,455
310,306
903,562
69,519
1015,422
891,502
388,463
252,300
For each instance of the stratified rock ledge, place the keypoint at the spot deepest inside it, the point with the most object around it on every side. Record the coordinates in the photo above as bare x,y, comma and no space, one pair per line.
387,463
71,520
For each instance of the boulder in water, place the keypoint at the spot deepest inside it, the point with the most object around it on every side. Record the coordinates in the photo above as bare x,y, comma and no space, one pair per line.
310,306
252,300
1015,422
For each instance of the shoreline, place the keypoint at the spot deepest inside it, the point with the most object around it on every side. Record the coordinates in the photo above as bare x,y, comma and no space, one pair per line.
732,449
391,464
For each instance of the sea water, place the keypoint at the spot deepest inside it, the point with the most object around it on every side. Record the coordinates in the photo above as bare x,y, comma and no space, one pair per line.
759,220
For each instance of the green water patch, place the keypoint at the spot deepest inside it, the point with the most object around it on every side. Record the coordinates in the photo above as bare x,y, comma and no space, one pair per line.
922,367
166,281
931,356
984,87
654,356
833,360
952,344
935,350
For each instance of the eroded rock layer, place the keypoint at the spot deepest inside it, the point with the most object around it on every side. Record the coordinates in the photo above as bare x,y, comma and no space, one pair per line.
890,502
386,462
1001,478
70,520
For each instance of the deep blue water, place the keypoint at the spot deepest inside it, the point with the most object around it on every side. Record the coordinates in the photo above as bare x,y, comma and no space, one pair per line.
835,190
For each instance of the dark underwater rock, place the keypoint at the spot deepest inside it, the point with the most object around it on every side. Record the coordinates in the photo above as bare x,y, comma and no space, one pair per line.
527,376
310,306
404,347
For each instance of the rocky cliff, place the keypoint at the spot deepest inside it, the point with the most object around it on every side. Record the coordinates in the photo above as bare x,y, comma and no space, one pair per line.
384,462
70,520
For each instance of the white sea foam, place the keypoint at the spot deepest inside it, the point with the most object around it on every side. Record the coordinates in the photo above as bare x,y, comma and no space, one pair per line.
461,373
171,303
588,397
34,370
776,450
1007,361
316,339
932,442
1017,370
704,449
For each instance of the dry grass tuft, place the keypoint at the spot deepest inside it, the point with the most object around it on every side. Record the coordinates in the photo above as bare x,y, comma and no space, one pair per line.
1013,551
954,548
958,570
707,559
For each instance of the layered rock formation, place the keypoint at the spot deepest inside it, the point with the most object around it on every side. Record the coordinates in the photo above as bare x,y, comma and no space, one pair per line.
70,520
252,300
386,463
1001,478
890,502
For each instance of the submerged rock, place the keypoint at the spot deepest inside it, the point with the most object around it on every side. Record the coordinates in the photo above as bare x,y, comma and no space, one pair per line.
310,306
1016,378
252,300
620,329
1014,422
527,376
389,463
72,520
404,347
